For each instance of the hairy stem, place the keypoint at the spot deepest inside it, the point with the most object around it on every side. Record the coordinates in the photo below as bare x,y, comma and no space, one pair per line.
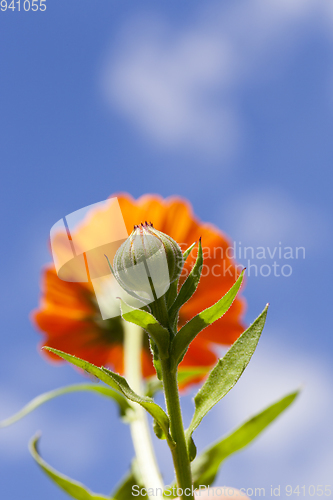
179,450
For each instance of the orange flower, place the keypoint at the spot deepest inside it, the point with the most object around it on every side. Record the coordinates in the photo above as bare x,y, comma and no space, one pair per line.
69,314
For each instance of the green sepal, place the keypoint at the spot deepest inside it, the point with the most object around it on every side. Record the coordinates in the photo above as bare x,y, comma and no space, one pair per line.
71,487
124,407
188,288
124,490
120,384
227,371
188,251
172,292
149,323
207,464
191,329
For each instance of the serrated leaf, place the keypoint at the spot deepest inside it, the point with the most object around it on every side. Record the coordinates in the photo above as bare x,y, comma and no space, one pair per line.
123,405
149,323
72,488
118,383
191,329
207,464
227,371
188,288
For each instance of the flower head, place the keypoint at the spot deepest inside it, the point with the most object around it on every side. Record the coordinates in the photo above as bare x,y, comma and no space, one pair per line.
68,313
147,253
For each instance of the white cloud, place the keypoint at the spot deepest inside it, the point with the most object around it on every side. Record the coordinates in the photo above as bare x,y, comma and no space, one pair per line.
177,87
273,372
164,88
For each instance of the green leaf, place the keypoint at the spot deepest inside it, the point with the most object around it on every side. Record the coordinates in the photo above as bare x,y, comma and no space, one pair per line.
192,450
73,488
158,430
149,323
191,329
124,406
227,371
188,251
153,386
156,359
188,288
172,292
147,403
208,463
118,383
124,490
186,374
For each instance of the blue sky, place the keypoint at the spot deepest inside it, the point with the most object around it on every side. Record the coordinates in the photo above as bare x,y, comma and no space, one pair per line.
229,104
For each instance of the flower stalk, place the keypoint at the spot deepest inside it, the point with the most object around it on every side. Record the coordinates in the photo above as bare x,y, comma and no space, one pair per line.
179,449
141,437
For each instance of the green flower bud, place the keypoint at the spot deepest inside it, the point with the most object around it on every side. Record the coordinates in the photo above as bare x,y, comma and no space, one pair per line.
147,263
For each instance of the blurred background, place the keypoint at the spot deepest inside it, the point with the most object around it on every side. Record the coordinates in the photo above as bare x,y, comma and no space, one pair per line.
229,104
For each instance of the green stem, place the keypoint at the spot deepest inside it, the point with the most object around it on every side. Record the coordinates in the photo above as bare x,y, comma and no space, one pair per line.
141,437
179,450
170,384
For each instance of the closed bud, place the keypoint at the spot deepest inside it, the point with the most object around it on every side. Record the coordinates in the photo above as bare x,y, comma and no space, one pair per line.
147,263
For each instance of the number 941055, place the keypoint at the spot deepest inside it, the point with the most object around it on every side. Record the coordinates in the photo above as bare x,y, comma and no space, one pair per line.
26,5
